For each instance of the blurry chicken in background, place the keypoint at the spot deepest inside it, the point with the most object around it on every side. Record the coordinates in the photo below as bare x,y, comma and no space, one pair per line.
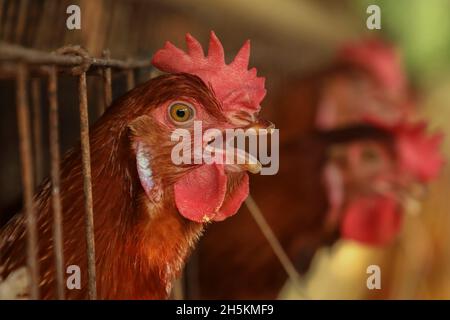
369,182
148,211
351,166
384,185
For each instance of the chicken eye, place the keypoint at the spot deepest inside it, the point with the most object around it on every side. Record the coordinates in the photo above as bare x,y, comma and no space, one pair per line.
181,112
369,155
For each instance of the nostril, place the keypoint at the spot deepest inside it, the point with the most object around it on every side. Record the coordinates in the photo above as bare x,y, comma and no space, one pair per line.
261,124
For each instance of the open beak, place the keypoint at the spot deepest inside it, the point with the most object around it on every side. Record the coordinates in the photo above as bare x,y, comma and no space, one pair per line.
241,159
261,127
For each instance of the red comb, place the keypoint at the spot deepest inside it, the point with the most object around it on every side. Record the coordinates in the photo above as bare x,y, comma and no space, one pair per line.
234,85
377,57
418,151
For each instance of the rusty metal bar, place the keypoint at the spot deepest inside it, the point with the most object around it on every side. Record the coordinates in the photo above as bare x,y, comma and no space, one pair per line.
107,82
37,130
192,277
58,249
21,19
130,79
32,56
23,119
276,246
9,17
178,289
2,6
86,161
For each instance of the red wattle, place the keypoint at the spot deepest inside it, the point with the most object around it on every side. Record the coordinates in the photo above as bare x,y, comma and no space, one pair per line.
372,220
200,193
233,202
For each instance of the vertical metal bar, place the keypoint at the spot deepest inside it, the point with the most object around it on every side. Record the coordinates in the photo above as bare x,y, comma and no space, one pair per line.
2,7
8,29
37,129
178,288
27,177
21,19
107,83
55,176
86,162
130,79
192,277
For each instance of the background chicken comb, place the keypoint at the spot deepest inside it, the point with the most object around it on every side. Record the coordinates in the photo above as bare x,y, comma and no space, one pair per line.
236,87
377,57
418,151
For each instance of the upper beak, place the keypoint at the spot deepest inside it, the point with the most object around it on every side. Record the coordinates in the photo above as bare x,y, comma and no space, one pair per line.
260,125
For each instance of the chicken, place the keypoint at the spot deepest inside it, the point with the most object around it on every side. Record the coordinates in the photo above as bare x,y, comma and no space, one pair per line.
148,211
350,157
371,182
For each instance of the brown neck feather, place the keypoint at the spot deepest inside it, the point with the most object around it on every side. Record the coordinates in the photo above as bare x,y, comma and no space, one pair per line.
140,247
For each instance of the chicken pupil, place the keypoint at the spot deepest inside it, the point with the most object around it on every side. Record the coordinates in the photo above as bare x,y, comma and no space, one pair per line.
181,113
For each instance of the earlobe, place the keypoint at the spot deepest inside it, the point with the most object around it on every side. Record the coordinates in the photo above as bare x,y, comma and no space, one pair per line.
139,129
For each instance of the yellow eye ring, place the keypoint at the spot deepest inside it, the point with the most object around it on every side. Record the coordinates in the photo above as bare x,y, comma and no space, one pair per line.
181,112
